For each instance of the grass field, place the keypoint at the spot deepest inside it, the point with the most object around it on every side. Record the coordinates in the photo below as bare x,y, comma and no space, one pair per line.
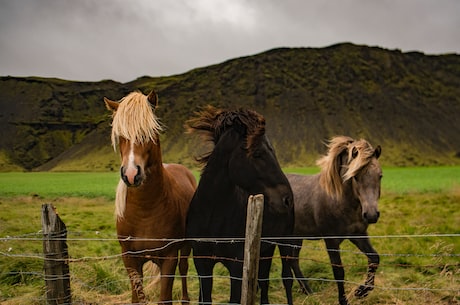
417,237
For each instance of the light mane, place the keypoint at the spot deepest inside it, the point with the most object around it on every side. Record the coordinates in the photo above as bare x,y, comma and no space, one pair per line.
358,155
135,120
365,153
120,200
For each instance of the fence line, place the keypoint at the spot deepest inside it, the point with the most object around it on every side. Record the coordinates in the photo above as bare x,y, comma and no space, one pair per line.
227,239
193,276
276,241
271,240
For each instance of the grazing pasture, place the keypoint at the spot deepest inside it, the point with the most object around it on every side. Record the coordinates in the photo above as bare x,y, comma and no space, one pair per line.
417,237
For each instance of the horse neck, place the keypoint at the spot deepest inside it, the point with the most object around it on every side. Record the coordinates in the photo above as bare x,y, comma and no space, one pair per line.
216,172
348,200
217,177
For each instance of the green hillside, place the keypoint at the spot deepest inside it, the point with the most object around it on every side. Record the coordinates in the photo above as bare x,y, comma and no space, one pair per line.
409,103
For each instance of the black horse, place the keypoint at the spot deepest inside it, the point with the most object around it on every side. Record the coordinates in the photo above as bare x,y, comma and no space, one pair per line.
241,163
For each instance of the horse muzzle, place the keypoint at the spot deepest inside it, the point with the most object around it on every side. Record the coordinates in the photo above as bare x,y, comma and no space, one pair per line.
131,176
280,199
371,217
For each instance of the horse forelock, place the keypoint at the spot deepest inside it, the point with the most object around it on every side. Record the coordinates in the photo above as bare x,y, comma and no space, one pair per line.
255,133
331,165
364,154
135,120
212,123
344,154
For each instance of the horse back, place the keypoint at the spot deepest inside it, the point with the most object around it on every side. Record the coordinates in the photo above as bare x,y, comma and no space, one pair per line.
317,214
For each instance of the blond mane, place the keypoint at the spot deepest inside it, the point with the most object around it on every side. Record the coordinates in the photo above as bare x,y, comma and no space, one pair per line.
120,200
358,155
135,120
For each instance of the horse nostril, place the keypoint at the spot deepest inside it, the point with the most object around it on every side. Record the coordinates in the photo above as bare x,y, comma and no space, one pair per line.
287,200
137,178
123,176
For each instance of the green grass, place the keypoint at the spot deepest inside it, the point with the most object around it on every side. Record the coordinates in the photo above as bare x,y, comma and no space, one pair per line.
102,184
59,184
418,206
404,180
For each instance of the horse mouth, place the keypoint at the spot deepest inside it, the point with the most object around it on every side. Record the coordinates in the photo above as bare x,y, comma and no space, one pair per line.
371,219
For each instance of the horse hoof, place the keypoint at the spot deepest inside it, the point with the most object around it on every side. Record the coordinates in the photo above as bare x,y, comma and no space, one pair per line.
343,302
363,291
306,290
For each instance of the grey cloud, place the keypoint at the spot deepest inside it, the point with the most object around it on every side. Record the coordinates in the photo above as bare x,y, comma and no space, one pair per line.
99,39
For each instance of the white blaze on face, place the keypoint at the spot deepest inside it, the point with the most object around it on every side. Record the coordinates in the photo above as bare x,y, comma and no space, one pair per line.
131,170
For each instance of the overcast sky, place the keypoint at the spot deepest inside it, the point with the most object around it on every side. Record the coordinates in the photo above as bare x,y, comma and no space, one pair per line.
91,40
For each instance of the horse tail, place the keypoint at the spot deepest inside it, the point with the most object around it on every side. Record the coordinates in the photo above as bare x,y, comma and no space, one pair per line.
152,277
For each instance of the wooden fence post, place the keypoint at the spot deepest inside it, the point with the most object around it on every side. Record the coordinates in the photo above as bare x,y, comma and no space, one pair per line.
57,275
252,249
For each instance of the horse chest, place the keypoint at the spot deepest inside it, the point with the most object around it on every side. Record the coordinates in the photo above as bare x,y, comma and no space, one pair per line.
150,223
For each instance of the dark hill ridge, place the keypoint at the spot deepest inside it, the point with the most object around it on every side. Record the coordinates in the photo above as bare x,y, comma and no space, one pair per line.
407,102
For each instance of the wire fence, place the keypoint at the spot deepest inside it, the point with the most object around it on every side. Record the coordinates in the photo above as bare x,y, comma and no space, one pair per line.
439,254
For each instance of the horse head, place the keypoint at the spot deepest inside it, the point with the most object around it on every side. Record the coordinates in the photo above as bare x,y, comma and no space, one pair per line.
250,159
355,163
365,173
135,130
253,166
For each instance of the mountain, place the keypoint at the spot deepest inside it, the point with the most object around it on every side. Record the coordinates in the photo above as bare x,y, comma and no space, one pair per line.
409,103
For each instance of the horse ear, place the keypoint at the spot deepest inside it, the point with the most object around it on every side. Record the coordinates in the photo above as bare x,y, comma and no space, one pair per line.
354,152
377,151
153,99
111,105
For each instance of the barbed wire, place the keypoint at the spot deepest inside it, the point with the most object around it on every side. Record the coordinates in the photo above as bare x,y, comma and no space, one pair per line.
277,241
217,276
216,239
102,237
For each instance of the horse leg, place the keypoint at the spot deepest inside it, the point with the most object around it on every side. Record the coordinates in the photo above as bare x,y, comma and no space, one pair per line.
373,259
134,268
183,269
286,252
236,275
294,264
168,269
263,281
204,268
332,246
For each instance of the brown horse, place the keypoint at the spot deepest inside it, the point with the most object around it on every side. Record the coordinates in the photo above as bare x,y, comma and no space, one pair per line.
339,201
152,198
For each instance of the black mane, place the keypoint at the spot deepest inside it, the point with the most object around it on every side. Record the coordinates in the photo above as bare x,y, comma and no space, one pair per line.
212,123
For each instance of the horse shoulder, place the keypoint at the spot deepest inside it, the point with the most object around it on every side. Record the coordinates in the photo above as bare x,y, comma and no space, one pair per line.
182,186
305,203
182,176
